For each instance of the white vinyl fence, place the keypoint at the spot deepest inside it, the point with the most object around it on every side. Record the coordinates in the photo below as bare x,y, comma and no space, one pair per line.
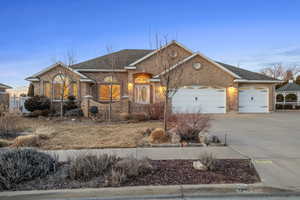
16,103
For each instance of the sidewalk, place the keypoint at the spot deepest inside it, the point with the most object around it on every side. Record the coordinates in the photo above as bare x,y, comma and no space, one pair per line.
150,192
155,153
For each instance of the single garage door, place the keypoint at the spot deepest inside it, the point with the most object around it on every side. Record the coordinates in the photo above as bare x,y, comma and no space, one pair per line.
195,99
253,100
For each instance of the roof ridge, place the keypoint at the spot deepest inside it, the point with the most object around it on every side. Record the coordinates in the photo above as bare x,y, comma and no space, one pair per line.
102,56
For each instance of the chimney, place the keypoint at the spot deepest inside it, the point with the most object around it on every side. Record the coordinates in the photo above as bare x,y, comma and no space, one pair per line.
291,81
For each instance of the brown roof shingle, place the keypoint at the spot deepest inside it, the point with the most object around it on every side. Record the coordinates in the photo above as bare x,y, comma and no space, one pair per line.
121,59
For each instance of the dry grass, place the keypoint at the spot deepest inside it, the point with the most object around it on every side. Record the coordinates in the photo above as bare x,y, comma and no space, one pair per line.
5,143
27,141
52,135
81,135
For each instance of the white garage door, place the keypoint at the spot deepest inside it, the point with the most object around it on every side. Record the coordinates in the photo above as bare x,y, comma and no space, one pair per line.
195,99
253,100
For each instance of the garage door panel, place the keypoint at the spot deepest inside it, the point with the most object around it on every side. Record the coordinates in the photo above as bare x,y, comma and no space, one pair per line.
199,99
253,100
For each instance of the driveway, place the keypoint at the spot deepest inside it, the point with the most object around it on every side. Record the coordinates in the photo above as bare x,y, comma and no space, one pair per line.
272,140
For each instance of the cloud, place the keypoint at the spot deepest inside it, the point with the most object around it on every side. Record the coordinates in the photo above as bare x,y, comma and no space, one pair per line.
292,52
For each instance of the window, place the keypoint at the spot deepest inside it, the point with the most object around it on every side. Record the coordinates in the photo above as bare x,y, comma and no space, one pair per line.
108,91
75,89
47,89
60,87
142,78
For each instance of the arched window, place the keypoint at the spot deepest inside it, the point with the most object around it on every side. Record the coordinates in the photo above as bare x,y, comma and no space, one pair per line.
110,89
60,87
142,78
279,98
291,98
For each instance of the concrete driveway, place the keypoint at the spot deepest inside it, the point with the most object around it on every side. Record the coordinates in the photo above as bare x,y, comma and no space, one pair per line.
272,140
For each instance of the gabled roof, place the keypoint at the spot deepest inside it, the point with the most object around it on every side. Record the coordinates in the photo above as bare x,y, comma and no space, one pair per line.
246,74
240,74
35,77
128,58
5,86
159,49
289,87
120,59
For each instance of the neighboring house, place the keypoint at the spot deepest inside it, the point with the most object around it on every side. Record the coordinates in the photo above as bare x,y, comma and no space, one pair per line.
289,94
4,96
206,85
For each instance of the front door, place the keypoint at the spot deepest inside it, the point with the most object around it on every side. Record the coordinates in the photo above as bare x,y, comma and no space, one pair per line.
142,94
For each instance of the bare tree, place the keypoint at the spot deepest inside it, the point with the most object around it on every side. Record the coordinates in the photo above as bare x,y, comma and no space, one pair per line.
170,78
65,80
112,61
278,71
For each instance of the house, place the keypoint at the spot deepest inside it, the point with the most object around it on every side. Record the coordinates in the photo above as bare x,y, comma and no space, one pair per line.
206,85
4,96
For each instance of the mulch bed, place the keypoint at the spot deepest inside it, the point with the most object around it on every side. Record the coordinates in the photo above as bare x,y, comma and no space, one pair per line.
166,172
177,172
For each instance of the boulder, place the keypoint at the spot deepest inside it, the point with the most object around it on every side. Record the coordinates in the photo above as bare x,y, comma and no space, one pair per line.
175,138
199,166
202,138
157,136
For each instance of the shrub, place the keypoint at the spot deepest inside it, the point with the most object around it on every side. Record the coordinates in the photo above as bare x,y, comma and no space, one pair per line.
9,126
118,177
18,165
70,104
279,106
156,111
85,167
37,103
209,161
27,141
130,167
288,107
4,143
77,112
133,167
188,126
158,135
30,90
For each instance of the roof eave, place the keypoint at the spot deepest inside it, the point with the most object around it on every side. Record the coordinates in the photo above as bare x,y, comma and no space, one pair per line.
256,81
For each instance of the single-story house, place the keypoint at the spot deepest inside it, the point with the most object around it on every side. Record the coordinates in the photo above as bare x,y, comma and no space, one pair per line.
4,96
132,76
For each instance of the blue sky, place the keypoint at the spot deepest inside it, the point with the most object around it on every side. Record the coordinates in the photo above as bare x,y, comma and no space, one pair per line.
251,34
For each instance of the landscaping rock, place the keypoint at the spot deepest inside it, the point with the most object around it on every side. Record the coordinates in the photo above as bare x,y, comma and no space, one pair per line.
202,138
175,138
199,166
158,135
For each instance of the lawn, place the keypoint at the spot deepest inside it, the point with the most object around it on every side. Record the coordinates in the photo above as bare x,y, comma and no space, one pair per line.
87,134
81,135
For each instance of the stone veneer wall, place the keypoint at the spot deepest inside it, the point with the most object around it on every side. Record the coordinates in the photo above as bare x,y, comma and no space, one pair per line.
121,106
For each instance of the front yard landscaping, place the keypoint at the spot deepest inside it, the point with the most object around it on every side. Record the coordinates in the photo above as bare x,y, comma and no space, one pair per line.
78,134
82,133
32,170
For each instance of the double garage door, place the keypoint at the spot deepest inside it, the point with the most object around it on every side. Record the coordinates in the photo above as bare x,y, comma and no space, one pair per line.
196,99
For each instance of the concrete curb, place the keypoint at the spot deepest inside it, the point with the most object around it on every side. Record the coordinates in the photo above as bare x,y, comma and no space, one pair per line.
144,192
